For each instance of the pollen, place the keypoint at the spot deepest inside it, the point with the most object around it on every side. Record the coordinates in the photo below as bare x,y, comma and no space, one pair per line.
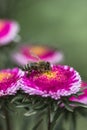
5,75
50,74
58,76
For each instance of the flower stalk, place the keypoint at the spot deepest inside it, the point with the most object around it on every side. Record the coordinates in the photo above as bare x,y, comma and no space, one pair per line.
7,119
49,117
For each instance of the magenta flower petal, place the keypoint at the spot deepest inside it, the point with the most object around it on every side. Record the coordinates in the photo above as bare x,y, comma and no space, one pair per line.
81,98
8,31
9,81
23,56
60,81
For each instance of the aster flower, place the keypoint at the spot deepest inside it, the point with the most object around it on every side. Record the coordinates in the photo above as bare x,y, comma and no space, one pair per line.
9,81
57,82
8,31
23,55
83,97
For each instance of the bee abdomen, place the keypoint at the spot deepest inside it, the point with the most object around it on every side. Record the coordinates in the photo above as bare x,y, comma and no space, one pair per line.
26,67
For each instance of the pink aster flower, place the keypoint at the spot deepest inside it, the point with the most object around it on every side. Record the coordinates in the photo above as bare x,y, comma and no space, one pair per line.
8,31
24,56
57,82
81,98
9,81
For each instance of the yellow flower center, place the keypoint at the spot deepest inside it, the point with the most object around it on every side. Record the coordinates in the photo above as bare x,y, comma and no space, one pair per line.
49,74
38,50
1,25
5,75
55,75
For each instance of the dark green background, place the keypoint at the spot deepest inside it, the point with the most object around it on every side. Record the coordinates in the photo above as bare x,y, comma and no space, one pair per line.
61,23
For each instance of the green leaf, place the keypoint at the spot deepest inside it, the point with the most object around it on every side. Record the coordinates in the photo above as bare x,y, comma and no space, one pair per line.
22,105
30,113
40,107
57,114
68,107
2,115
16,98
59,124
78,94
36,126
78,104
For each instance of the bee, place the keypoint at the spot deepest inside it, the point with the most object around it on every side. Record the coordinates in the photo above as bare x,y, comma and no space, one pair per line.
40,66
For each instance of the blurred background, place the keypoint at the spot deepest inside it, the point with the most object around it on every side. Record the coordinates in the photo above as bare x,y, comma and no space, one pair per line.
58,23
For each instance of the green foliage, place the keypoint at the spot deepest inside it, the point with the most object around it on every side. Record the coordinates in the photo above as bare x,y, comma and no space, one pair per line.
56,110
59,23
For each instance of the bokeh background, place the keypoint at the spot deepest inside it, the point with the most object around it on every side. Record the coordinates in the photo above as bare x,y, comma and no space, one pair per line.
58,23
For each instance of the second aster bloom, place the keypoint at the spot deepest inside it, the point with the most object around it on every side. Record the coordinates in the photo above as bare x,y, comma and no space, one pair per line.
9,81
83,97
55,83
8,31
24,54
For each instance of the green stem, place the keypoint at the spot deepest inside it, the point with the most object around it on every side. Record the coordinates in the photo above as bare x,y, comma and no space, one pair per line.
7,119
49,117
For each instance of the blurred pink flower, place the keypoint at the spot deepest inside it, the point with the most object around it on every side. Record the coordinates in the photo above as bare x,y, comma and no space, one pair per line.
83,97
24,56
57,82
8,31
9,81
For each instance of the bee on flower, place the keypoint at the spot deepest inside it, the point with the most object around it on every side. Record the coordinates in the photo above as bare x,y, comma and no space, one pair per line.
59,81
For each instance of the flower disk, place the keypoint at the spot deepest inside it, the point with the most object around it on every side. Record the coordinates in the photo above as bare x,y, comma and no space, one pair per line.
59,81
43,52
9,81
